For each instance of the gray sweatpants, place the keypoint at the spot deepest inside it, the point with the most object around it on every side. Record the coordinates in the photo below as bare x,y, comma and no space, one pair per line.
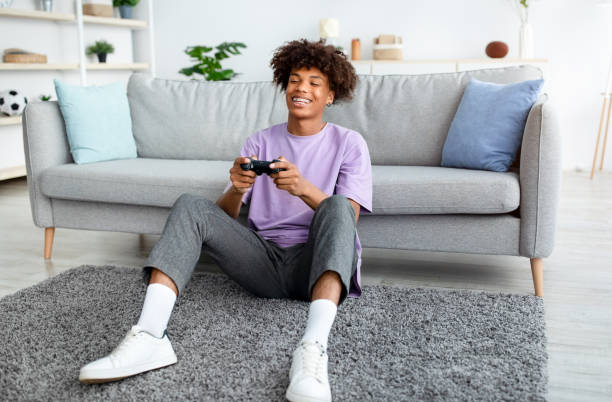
260,266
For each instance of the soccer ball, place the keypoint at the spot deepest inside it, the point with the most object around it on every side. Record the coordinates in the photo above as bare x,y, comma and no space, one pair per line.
12,102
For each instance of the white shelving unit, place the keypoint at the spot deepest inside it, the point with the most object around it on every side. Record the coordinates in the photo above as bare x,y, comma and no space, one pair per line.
38,66
43,15
80,22
121,22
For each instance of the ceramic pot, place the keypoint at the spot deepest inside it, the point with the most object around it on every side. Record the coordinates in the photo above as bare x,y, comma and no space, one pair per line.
125,11
46,5
102,57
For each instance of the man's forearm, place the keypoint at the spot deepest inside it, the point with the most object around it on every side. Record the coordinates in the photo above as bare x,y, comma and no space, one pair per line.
313,196
230,202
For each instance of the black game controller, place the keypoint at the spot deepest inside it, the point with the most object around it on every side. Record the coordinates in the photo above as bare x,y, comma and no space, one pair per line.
260,167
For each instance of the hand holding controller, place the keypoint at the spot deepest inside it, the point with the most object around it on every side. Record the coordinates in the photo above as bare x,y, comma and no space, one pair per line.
242,180
260,167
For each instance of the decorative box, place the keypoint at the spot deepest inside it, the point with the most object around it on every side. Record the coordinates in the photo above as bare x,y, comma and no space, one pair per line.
99,8
14,55
387,47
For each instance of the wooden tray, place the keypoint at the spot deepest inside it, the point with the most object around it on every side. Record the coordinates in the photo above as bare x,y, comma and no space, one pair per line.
25,58
99,10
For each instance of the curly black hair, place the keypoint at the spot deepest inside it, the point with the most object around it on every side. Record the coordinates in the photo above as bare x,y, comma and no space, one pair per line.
327,58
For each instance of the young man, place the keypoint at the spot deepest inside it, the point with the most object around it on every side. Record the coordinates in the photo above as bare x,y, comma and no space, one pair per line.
301,242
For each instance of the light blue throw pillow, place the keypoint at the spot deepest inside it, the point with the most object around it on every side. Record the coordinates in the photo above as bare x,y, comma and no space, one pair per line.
98,121
487,130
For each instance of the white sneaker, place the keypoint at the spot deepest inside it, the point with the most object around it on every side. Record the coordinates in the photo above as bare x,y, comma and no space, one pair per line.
308,380
138,352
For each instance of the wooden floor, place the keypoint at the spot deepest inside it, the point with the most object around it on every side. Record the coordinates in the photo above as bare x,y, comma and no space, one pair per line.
577,276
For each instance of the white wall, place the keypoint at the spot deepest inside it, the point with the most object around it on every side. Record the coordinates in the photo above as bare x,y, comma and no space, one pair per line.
573,35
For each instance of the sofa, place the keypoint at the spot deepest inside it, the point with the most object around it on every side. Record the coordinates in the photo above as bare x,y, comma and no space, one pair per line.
189,132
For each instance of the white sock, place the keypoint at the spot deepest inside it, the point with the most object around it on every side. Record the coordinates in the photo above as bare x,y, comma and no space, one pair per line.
156,309
321,315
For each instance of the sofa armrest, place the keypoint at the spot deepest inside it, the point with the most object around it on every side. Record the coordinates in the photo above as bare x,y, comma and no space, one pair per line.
540,180
45,144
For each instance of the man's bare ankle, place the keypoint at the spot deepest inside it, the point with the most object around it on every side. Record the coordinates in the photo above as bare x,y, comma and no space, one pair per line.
158,276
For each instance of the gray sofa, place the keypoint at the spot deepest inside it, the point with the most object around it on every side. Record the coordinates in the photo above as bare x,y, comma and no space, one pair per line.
189,132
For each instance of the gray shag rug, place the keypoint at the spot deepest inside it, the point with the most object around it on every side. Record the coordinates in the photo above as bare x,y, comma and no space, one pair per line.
390,344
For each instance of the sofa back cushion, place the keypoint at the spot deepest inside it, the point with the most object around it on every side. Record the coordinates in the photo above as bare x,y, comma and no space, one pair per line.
175,119
403,118
98,124
488,127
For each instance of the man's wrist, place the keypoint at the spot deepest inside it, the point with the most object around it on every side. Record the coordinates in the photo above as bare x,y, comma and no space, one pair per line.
308,187
305,191
236,190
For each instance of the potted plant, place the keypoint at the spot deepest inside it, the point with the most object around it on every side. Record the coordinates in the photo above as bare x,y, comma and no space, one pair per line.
45,98
210,66
100,48
125,7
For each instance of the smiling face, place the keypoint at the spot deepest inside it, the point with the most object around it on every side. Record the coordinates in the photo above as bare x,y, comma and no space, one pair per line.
307,93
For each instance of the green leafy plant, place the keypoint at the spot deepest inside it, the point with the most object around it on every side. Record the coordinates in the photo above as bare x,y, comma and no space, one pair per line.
100,47
210,66
131,3
522,8
45,97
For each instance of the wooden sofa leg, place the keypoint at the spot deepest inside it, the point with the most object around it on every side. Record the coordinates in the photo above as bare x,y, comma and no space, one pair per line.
537,275
49,232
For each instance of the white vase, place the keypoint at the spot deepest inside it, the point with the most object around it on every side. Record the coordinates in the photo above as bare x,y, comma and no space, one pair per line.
526,41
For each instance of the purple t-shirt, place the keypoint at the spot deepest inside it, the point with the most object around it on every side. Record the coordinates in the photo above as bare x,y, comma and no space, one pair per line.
336,160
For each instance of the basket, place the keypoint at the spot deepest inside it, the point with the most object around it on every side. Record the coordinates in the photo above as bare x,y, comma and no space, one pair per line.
24,58
387,47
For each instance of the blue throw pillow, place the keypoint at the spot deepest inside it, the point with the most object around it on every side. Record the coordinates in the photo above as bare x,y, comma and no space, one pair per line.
487,130
98,121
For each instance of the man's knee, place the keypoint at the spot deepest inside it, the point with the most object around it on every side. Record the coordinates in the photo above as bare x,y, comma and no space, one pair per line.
335,202
188,200
337,205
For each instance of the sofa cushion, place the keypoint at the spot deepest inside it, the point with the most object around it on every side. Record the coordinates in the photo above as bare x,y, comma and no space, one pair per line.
140,181
397,189
437,190
488,127
181,119
98,122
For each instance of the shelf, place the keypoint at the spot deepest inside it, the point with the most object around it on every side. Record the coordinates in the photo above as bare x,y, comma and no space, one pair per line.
73,66
87,19
454,61
12,172
36,14
39,66
123,22
10,120
117,66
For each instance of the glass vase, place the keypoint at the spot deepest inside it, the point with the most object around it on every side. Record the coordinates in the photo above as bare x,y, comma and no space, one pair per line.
526,41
